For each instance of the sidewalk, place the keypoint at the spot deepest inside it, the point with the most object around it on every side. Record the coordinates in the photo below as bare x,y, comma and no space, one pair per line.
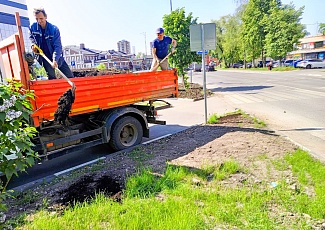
186,112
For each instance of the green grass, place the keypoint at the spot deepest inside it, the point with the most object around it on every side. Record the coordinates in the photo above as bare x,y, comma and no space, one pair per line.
173,201
287,68
214,118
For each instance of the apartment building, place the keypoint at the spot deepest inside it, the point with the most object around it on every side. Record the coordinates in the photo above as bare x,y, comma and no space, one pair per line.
312,47
8,22
124,47
8,26
80,57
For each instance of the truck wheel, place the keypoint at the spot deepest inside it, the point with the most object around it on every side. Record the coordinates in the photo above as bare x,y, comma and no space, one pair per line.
126,132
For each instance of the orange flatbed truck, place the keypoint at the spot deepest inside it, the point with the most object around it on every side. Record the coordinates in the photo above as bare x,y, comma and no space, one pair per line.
106,110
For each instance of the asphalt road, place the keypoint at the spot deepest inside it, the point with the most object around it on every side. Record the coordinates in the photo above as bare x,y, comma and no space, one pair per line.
291,103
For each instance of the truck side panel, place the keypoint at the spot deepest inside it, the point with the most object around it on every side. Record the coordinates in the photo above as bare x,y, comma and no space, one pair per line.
103,92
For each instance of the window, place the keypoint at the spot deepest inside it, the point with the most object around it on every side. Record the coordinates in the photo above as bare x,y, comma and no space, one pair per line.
319,44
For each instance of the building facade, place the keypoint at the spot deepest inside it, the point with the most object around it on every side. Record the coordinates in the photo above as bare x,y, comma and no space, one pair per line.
80,57
8,26
8,22
312,47
124,47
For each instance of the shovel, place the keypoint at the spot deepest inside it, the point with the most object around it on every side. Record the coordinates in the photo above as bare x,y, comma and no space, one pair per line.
40,52
157,66
66,100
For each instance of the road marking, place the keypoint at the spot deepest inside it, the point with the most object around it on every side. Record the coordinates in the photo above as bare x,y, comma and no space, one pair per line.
310,74
158,138
78,166
291,93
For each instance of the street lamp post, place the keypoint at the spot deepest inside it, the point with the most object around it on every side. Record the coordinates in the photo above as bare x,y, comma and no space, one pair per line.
145,42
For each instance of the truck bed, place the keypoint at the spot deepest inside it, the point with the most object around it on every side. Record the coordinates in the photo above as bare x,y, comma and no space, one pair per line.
102,92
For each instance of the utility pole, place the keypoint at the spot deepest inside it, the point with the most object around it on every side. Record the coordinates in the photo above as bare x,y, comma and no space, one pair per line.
171,5
145,42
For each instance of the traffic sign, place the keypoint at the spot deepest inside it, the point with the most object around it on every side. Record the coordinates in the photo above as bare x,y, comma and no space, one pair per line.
203,36
200,52
73,63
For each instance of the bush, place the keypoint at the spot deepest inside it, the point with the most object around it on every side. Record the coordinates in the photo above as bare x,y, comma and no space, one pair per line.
16,135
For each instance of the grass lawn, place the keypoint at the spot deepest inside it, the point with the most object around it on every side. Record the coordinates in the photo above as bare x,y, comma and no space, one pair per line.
205,198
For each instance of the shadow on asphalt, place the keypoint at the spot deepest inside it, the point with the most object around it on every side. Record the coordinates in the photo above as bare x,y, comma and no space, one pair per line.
239,88
303,129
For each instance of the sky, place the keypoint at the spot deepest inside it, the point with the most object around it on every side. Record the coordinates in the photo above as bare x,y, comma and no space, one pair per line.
100,24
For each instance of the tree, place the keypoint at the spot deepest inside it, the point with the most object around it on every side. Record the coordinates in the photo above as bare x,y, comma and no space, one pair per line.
229,47
220,39
231,41
283,29
321,28
253,32
140,55
101,66
177,26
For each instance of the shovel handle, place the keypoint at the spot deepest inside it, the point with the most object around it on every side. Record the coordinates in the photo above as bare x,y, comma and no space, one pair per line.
40,52
162,60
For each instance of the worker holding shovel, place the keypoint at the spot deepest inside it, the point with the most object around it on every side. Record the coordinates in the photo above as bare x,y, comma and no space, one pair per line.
47,44
47,37
160,48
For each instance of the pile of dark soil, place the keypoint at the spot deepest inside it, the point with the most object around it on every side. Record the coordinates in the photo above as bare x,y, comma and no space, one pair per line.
96,72
194,91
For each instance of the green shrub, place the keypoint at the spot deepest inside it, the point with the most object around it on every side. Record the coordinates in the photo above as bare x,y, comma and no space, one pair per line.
16,135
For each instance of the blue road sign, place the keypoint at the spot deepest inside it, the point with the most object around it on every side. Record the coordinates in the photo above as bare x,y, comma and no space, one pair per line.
73,63
200,52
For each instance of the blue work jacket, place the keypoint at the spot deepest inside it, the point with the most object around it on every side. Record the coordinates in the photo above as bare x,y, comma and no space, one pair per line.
52,38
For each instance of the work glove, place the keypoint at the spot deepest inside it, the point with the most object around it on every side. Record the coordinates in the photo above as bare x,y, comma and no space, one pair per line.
173,49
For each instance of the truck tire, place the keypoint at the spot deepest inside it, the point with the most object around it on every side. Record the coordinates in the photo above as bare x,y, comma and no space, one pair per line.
125,133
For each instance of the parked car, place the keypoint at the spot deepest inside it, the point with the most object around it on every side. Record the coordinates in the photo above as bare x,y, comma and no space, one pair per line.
237,65
276,64
311,63
296,62
260,63
197,67
210,68
190,67
248,65
288,62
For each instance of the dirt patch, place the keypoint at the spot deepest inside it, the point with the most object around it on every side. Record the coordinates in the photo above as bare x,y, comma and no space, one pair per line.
90,186
96,72
194,91
234,138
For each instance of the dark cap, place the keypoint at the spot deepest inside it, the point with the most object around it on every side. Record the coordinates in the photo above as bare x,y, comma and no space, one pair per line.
159,31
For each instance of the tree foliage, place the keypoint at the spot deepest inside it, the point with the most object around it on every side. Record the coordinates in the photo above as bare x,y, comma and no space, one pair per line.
253,31
270,28
177,26
321,28
283,29
16,152
101,66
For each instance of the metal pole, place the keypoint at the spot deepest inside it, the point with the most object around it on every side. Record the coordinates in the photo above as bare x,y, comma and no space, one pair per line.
171,6
204,75
145,42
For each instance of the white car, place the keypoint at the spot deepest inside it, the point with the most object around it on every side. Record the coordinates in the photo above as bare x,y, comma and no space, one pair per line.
311,63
